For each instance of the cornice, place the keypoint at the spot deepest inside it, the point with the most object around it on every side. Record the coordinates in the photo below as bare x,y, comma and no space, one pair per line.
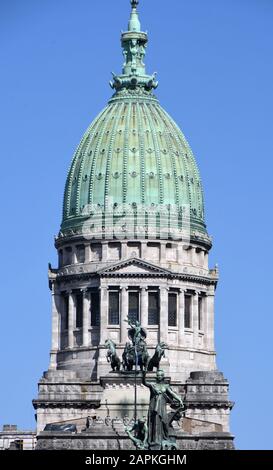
65,404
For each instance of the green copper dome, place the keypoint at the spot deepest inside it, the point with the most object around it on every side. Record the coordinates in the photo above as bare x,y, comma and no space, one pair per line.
134,156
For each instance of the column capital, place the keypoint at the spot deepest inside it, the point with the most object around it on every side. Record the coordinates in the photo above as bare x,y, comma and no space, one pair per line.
162,288
103,287
85,291
123,287
55,290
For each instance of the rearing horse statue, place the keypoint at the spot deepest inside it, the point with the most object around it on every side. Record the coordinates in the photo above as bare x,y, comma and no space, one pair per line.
155,360
111,355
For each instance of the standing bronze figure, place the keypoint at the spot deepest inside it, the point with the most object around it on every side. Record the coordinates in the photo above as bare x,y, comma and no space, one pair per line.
158,420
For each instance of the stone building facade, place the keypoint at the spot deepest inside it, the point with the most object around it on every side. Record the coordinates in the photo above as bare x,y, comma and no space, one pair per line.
133,243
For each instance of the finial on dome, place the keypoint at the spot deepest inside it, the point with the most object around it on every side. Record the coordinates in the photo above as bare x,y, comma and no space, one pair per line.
134,3
134,23
134,42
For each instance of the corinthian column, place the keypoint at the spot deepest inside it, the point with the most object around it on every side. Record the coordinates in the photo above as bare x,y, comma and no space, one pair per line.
210,318
144,307
123,315
195,322
103,314
163,314
71,319
86,317
55,327
181,315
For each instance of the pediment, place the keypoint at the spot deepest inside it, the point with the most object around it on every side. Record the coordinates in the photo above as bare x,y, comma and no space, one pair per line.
133,266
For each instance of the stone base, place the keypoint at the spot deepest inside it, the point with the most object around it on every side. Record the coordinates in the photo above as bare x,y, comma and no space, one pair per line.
65,398
114,438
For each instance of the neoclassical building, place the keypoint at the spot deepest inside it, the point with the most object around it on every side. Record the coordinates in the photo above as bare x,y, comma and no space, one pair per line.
133,243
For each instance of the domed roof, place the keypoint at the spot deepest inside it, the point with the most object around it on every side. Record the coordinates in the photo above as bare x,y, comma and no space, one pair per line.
133,157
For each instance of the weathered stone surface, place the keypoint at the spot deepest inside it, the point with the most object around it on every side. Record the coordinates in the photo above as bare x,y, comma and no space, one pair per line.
117,440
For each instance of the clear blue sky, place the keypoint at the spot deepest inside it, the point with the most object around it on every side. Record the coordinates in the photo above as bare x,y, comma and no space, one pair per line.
214,60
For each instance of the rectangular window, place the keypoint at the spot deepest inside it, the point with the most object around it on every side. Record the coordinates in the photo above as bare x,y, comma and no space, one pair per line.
95,309
172,310
68,255
79,310
187,319
133,310
80,253
153,308
113,313
200,313
66,312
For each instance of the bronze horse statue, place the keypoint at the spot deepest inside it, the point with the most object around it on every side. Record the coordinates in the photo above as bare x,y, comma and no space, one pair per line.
155,360
112,356
129,356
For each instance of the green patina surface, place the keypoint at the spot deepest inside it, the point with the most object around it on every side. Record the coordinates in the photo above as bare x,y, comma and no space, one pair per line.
133,152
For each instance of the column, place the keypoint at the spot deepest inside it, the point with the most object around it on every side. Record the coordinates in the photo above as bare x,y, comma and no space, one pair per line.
123,315
87,254
144,306
143,249
103,314
55,328
164,314
86,321
209,309
73,255
180,250
162,252
181,316
124,250
104,251
195,319
71,319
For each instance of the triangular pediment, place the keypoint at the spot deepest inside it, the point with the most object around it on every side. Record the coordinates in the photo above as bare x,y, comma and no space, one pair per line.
133,266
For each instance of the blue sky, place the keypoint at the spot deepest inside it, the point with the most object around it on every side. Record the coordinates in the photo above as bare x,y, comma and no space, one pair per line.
214,61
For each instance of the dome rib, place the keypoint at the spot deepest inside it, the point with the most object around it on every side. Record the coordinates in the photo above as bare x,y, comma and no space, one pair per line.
110,153
141,153
126,152
171,152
